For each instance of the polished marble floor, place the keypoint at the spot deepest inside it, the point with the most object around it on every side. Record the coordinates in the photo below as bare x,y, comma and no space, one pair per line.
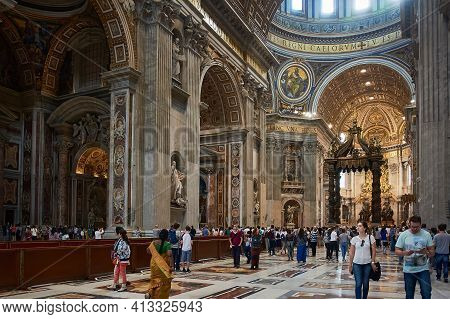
277,278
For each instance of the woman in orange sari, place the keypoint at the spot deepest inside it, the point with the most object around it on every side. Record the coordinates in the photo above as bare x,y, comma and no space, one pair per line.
161,267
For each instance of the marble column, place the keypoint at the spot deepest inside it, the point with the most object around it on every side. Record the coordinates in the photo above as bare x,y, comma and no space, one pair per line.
154,30
122,84
430,31
310,161
64,146
331,192
248,100
211,216
337,207
191,68
376,192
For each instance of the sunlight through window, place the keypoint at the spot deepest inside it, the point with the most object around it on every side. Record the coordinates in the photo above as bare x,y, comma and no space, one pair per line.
362,5
297,5
328,6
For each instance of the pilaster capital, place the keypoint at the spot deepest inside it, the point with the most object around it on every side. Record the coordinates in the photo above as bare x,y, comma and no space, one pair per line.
264,97
124,78
158,11
249,85
196,37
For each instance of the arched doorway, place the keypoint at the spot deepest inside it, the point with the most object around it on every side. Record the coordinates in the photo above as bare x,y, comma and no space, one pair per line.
89,188
292,213
221,117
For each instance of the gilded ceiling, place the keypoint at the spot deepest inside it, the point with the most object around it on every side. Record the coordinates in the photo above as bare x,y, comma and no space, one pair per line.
375,94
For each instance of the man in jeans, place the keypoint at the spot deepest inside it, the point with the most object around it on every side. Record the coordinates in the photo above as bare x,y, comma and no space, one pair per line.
272,242
416,246
441,242
174,238
235,245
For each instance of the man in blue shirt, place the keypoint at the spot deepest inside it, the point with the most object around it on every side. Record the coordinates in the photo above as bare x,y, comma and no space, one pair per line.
416,246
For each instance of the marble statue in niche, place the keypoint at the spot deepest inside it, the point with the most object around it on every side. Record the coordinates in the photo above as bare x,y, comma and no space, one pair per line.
289,215
177,58
177,187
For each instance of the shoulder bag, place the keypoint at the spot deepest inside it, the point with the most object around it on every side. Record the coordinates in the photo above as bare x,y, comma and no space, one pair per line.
374,275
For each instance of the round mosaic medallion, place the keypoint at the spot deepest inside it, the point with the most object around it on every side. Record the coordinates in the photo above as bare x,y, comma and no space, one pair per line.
295,81
235,213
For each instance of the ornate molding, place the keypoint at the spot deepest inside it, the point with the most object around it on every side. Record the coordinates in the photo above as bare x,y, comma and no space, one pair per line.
196,37
292,187
159,11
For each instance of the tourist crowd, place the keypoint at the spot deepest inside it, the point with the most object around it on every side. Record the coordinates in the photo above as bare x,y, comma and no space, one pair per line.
420,250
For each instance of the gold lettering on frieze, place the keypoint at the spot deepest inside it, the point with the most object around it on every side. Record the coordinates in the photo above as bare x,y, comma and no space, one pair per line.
290,129
335,48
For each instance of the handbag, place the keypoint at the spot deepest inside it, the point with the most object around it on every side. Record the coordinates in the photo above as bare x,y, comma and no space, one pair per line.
374,275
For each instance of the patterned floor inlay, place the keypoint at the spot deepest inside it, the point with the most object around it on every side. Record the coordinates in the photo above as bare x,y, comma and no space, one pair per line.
307,266
230,270
9,293
278,278
78,295
288,273
346,276
310,295
209,277
239,292
372,287
178,287
266,281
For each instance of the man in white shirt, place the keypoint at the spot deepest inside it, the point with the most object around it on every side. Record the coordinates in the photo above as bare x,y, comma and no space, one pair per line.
99,233
334,243
186,249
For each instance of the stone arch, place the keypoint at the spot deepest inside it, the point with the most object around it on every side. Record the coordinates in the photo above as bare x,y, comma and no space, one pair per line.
57,53
118,28
393,64
11,35
223,95
73,109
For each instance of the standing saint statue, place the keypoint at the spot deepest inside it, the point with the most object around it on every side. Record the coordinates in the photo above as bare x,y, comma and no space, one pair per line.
177,186
177,58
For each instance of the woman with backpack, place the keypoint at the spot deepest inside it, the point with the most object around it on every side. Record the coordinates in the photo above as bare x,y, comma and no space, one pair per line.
255,248
121,259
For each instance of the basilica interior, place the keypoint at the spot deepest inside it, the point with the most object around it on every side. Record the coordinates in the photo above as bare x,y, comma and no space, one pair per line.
204,112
